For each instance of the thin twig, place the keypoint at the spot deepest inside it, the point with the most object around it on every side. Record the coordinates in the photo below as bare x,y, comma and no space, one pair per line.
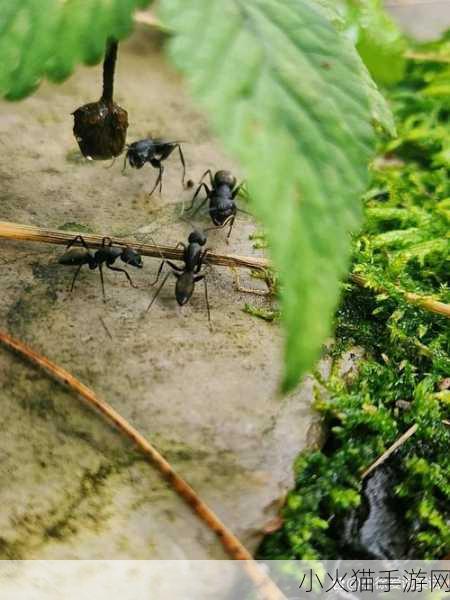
428,56
16,231
401,440
230,542
425,302
109,65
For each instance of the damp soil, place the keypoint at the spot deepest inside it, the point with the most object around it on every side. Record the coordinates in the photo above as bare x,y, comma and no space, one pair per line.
70,486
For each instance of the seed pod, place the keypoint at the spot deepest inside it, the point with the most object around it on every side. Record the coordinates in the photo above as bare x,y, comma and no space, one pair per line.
100,128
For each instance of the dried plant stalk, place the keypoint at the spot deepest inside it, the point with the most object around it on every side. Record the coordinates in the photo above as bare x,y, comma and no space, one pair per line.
401,440
232,545
424,302
16,231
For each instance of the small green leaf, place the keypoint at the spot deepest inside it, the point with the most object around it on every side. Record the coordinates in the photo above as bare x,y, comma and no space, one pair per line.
48,38
288,95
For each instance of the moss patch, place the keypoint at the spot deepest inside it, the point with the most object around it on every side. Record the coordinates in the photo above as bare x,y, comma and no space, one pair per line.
401,379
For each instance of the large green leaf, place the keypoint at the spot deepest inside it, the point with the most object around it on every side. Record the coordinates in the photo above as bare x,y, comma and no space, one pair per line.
286,92
379,41
48,38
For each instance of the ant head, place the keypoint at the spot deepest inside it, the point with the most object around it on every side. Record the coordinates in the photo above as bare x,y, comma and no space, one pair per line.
132,257
225,178
197,237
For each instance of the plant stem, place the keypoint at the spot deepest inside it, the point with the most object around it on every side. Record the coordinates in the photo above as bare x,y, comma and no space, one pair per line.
230,542
401,440
16,231
425,302
109,65
428,56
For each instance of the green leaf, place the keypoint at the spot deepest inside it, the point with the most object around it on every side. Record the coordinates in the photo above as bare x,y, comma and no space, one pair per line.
379,41
285,91
380,44
48,38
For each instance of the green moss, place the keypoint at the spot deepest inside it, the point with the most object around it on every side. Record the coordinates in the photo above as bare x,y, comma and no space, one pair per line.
79,227
404,244
263,313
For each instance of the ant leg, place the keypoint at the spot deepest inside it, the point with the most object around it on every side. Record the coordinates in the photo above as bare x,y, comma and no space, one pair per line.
100,268
208,171
244,211
201,260
77,272
207,190
158,180
236,190
122,271
161,171
78,238
157,291
175,267
124,164
231,219
163,262
200,206
112,164
199,278
183,163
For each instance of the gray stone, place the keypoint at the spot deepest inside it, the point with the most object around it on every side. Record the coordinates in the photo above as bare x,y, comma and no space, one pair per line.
70,486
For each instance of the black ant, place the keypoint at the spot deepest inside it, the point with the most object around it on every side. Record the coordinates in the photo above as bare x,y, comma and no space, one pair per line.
153,151
222,207
106,254
187,276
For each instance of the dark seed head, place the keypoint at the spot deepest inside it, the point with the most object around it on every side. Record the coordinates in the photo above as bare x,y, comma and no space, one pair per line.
100,129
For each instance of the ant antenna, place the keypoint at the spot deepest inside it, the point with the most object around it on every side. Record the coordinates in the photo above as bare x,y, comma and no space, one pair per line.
189,222
153,241
244,211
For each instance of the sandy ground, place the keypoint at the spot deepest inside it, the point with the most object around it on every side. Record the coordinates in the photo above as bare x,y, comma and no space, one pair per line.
70,487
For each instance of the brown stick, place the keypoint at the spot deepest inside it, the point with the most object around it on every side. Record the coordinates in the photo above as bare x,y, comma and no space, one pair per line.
16,231
230,542
401,440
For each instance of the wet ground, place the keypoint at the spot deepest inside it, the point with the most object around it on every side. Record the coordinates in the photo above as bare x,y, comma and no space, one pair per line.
71,487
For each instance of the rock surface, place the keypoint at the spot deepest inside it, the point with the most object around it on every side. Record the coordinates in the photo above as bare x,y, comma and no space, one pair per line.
424,20
70,486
